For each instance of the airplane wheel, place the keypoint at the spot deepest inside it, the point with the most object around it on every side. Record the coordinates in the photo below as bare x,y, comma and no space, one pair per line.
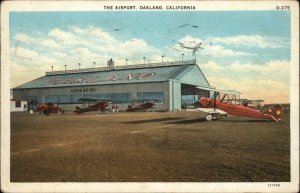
209,117
214,117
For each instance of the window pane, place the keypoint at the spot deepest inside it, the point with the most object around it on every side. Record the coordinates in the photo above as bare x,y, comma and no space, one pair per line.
150,96
18,103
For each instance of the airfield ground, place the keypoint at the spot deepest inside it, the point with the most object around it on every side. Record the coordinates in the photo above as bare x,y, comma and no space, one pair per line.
148,147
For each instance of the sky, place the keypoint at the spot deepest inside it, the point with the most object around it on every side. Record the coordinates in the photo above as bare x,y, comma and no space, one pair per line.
248,51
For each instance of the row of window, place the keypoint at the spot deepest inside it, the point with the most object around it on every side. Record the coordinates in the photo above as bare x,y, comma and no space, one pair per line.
114,97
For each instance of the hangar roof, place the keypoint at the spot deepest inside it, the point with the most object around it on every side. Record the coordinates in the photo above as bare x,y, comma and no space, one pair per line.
153,73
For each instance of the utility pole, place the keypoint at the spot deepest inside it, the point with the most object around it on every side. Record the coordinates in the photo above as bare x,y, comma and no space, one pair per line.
94,65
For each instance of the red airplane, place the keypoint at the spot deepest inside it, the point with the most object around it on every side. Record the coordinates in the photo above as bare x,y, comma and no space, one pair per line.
141,105
229,105
100,106
49,108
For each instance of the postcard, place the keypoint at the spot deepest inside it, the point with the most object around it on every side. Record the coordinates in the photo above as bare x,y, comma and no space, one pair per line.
149,96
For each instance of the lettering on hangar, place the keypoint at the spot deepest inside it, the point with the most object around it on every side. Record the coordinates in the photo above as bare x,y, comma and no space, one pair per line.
132,76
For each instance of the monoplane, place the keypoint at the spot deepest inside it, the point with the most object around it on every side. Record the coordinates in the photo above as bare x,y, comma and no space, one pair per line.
141,105
98,105
228,104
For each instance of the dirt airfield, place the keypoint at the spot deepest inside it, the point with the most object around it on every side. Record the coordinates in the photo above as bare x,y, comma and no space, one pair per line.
148,147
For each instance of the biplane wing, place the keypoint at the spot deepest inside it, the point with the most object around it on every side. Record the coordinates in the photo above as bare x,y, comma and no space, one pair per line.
231,92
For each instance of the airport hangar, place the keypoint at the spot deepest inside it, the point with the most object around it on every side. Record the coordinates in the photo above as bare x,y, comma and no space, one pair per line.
171,83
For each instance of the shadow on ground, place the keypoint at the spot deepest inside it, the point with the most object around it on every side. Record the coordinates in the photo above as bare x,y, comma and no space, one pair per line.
153,120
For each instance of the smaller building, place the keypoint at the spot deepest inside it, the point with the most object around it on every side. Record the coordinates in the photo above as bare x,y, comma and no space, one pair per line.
18,105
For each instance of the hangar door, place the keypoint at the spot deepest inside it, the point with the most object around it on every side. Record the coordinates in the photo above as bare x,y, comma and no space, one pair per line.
190,94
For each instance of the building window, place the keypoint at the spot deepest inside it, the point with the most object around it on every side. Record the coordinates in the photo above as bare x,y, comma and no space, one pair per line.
34,99
159,96
65,99
114,97
18,104
52,99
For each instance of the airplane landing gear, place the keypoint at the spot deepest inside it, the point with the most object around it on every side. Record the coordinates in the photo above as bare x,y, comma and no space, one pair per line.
209,117
214,116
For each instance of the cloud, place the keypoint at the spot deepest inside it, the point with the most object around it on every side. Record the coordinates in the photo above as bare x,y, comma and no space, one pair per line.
252,41
61,35
220,51
20,73
270,67
211,66
23,53
268,81
28,57
48,43
23,38
79,45
26,65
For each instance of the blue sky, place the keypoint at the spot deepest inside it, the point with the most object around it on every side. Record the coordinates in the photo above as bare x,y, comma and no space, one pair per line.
239,46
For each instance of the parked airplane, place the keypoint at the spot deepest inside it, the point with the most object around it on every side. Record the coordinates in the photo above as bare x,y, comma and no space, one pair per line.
220,107
49,108
100,105
141,105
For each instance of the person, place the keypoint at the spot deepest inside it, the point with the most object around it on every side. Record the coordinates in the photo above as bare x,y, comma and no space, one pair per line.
113,108
117,108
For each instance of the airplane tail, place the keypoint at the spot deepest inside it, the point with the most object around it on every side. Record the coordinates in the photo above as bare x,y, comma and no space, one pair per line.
275,110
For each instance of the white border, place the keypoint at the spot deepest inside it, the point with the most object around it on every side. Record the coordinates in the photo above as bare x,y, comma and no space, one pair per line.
6,186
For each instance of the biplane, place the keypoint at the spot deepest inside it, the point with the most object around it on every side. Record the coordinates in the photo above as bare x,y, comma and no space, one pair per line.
49,108
98,105
141,105
219,106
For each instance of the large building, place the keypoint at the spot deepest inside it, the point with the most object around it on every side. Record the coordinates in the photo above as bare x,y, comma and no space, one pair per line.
172,84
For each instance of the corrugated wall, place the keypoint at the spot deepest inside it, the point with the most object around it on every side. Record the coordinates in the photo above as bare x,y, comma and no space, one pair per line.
119,93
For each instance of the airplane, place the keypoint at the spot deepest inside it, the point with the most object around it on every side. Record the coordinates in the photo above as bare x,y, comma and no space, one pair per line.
141,105
254,104
219,107
183,25
49,108
194,48
101,105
